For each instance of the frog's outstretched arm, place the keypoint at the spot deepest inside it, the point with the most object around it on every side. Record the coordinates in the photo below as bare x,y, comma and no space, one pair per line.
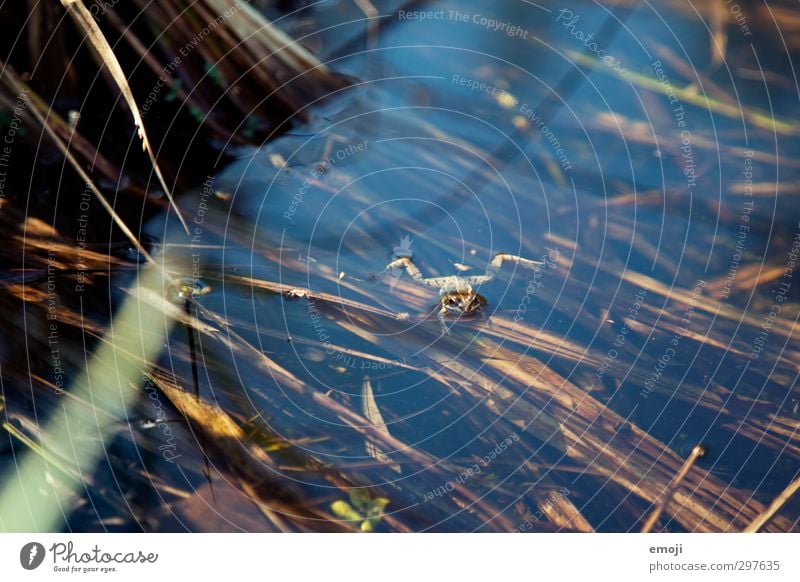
454,282
495,265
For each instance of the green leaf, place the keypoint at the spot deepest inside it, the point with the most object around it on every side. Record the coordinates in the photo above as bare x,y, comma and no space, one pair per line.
344,511
369,511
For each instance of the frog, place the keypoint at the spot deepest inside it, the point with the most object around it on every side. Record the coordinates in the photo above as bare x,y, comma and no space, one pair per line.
457,296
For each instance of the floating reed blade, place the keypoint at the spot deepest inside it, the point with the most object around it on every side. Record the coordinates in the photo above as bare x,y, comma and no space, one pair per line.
83,18
697,452
774,507
372,413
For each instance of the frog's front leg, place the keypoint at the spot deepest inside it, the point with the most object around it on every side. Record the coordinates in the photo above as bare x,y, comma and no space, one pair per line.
410,267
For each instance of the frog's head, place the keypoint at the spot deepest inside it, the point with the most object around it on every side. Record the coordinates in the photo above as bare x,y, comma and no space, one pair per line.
461,302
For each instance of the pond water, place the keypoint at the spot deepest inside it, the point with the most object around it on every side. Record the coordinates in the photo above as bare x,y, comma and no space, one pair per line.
608,143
